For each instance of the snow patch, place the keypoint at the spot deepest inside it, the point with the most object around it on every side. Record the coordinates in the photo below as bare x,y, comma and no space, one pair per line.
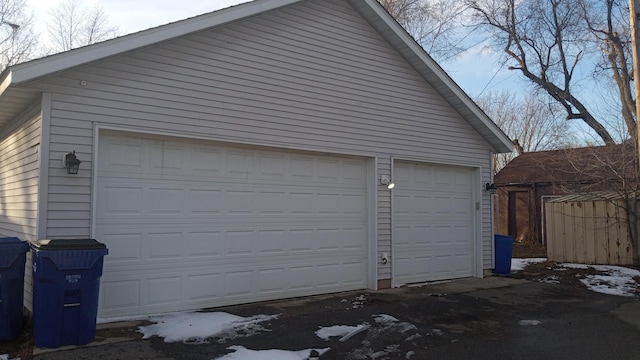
616,280
553,279
242,353
389,322
196,327
384,325
529,322
520,264
383,353
343,331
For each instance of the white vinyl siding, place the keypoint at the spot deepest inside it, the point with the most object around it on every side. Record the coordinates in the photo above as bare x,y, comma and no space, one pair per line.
384,218
312,76
19,169
19,146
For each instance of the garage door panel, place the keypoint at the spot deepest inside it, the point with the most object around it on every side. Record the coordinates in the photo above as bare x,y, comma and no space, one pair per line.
203,244
121,200
165,247
203,287
432,222
164,290
123,247
124,201
228,224
236,281
140,246
116,295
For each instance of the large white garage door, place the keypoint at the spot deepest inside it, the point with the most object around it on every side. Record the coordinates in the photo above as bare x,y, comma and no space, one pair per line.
192,224
433,223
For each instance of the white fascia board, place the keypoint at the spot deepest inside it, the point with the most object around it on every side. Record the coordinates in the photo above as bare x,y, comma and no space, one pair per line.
5,81
66,60
441,75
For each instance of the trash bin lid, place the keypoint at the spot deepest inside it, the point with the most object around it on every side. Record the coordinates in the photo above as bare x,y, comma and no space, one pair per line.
13,244
10,249
9,240
67,244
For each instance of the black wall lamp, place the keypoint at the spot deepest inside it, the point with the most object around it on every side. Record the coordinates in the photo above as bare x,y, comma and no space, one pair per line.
491,188
72,163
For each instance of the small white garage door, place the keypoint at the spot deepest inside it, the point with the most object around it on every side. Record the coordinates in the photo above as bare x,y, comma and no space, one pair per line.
193,224
433,223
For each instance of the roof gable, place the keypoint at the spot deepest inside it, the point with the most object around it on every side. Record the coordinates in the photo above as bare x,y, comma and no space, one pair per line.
13,96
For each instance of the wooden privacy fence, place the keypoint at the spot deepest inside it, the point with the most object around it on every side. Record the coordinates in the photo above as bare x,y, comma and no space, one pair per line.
588,229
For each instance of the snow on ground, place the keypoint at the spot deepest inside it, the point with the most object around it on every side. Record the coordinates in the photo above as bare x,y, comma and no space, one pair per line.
343,331
357,302
242,353
520,264
529,322
196,327
614,280
388,321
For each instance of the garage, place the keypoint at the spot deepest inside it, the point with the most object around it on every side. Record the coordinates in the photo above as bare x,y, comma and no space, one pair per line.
239,156
433,222
192,223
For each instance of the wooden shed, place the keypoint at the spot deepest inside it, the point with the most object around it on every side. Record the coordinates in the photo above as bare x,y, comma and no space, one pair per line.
588,229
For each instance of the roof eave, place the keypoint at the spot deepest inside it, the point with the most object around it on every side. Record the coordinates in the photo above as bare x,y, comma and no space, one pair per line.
52,64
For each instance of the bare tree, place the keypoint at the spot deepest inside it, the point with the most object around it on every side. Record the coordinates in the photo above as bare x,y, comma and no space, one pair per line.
608,22
549,41
532,124
17,38
73,25
434,24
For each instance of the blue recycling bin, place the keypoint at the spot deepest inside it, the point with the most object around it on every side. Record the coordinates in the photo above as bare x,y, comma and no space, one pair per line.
12,260
66,284
504,252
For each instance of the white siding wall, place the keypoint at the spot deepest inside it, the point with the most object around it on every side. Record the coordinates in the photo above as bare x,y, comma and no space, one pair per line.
313,76
384,217
19,176
19,164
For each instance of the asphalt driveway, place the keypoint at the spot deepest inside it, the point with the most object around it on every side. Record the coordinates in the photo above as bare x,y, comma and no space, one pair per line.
491,318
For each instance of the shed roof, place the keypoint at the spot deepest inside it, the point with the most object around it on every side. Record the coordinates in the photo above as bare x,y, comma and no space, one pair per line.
15,93
577,165
593,196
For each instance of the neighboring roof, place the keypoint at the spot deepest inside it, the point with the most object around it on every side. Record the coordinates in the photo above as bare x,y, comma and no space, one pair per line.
13,98
577,165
